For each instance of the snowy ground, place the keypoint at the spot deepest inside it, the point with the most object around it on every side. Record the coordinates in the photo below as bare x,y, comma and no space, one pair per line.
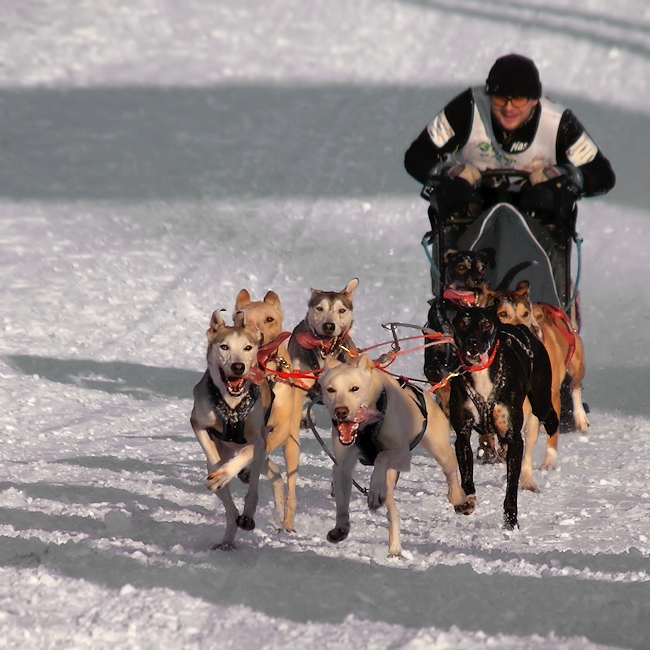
154,161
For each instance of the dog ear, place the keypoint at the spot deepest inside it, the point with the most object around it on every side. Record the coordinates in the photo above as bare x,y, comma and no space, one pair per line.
216,323
243,298
365,362
272,299
523,288
448,255
490,296
350,287
330,362
489,256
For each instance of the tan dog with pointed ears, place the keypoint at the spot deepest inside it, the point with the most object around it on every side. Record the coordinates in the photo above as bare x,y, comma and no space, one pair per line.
231,406
284,421
377,421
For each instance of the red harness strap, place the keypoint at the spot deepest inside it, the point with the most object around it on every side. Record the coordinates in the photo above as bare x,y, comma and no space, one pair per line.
567,331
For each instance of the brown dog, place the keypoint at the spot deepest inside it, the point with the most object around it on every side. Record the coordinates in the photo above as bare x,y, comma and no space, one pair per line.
563,344
266,317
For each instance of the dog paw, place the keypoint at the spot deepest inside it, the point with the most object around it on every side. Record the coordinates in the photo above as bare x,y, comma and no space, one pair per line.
510,521
376,500
245,523
529,485
337,535
468,507
487,456
217,479
223,546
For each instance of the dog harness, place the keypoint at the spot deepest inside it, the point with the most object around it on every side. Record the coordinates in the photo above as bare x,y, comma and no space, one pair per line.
233,420
485,407
366,439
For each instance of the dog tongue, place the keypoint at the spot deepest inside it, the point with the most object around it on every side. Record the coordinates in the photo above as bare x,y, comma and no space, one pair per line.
308,341
256,375
465,298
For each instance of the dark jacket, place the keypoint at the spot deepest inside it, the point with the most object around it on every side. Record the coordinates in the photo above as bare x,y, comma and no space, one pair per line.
594,177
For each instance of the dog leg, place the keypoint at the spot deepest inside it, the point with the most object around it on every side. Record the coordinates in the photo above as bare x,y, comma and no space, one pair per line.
398,460
273,472
579,414
207,444
531,433
226,472
465,461
292,462
392,514
246,520
232,514
345,461
513,465
437,444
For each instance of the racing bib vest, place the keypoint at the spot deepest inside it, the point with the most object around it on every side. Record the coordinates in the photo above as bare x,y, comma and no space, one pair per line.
483,151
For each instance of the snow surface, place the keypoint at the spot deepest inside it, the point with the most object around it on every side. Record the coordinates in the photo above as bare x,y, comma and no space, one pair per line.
157,157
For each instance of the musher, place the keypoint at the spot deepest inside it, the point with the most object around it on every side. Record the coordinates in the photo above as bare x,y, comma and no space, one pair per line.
507,124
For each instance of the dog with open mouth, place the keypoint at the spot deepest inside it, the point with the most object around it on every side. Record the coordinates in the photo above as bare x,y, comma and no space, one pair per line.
266,317
379,422
325,330
503,366
232,404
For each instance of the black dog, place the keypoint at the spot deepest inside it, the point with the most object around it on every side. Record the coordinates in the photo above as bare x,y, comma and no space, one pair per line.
463,274
503,365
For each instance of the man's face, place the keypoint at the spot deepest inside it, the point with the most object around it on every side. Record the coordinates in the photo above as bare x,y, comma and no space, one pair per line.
512,112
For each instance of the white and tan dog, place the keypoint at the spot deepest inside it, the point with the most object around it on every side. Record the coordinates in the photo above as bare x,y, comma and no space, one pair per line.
231,404
284,422
377,421
325,330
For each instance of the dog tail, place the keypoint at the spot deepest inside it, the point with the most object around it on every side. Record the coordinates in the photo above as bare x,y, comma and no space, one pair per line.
512,274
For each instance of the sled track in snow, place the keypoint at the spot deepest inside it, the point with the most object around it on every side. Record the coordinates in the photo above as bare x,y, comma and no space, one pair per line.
606,29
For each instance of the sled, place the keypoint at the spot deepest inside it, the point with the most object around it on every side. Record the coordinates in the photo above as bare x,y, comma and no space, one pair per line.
524,248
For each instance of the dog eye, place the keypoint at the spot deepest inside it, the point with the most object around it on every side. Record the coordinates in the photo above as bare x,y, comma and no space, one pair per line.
329,389
318,309
463,324
526,314
342,310
486,324
248,348
503,314
354,389
223,346
269,319
480,268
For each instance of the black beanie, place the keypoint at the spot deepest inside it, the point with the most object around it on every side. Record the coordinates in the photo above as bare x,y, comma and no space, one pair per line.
514,75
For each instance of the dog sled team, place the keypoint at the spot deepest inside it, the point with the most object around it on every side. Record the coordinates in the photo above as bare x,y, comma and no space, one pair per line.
502,168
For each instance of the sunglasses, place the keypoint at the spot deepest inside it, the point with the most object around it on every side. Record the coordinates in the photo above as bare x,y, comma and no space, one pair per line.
501,101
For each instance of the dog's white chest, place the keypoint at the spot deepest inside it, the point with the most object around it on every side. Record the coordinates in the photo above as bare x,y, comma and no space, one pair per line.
482,383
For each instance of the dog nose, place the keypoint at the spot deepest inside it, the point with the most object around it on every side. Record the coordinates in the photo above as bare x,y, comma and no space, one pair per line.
341,412
329,328
238,368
